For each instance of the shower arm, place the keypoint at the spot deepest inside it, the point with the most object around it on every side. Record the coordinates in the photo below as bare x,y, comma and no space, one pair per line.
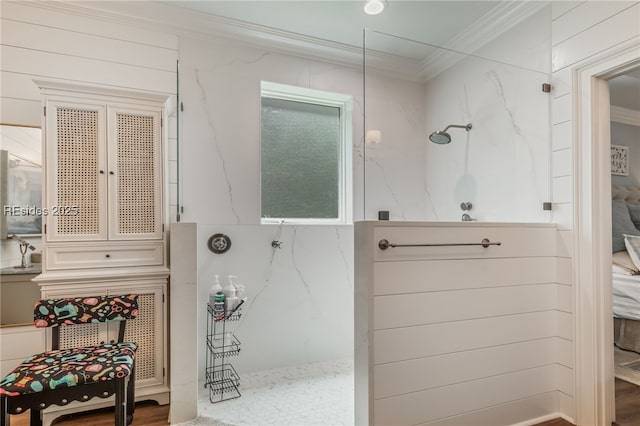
467,127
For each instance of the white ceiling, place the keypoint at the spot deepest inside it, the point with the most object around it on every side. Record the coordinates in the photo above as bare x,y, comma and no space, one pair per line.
342,21
625,90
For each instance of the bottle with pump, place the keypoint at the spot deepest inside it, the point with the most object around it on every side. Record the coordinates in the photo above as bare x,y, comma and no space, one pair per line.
215,288
230,294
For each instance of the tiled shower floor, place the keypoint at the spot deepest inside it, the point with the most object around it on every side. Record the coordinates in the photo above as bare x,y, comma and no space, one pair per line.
318,394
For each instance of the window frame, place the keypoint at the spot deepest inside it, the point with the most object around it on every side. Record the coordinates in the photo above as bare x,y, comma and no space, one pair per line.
345,158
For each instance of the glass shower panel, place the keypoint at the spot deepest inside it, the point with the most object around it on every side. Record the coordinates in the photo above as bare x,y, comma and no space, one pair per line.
500,164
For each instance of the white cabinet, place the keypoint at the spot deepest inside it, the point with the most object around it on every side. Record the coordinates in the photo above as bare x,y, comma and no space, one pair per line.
18,343
134,176
85,255
104,220
148,331
75,163
17,297
103,180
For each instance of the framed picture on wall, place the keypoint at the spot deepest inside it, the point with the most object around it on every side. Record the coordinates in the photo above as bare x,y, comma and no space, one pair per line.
619,160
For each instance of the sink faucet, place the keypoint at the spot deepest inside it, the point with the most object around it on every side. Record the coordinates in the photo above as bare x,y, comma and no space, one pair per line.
24,246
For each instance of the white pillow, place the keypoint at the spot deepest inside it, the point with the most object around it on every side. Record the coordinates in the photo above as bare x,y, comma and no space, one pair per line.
623,263
632,243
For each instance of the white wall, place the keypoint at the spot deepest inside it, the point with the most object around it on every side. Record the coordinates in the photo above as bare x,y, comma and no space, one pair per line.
478,337
39,43
627,135
580,30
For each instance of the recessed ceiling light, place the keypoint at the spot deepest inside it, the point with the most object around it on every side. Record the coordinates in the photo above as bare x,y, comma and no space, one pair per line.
373,7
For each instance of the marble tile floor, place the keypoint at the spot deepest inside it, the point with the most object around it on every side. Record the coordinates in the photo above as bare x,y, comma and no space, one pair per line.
317,394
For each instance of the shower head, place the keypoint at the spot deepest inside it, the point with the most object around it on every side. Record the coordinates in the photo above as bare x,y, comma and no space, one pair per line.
441,137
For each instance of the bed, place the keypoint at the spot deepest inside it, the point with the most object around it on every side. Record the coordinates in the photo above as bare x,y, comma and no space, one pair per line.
625,272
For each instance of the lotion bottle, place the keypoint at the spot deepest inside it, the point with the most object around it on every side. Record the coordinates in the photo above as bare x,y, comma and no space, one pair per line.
230,291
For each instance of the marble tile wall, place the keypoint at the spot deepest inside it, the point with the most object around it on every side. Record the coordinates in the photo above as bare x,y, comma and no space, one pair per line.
300,306
502,166
394,178
300,297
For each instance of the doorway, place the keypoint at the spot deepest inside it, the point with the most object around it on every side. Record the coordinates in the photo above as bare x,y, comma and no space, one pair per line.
624,96
594,360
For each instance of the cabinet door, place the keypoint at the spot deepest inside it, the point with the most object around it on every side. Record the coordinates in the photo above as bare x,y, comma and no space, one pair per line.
147,331
75,149
135,173
18,343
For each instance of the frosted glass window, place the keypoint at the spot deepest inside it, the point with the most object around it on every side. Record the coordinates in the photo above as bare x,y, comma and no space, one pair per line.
300,160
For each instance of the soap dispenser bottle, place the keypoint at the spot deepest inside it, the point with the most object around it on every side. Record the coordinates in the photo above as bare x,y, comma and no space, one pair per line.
215,289
230,294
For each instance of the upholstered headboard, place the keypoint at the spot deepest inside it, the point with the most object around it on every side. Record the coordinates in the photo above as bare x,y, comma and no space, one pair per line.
628,194
625,215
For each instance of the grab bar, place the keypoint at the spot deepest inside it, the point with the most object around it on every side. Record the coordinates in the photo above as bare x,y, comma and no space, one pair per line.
385,244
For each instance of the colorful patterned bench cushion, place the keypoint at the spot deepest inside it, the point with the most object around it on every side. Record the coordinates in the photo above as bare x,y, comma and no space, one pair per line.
70,367
82,310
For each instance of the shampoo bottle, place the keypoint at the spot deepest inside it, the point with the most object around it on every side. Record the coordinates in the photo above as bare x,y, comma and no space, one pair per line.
215,288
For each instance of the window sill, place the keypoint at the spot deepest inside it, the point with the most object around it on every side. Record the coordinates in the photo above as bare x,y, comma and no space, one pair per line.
305,222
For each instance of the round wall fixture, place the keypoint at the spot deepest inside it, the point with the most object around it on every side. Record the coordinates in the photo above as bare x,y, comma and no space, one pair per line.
219,243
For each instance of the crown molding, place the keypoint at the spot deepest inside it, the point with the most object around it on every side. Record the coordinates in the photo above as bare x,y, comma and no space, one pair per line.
180,21
204,26
489,27
625,115
58,87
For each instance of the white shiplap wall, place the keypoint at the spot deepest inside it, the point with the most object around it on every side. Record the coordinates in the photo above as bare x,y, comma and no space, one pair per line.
462,335
41,42
581,30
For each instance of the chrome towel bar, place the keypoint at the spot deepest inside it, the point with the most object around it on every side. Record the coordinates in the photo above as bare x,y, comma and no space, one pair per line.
385,244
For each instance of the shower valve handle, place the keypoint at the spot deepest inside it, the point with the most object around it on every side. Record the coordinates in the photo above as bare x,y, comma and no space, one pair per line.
466,206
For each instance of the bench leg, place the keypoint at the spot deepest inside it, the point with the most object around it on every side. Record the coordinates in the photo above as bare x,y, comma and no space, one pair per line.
4,411
121,417
35,418
131,395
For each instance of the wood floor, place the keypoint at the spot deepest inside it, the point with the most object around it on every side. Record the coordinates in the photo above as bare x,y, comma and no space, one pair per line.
147,414
151,414
555,422
627,404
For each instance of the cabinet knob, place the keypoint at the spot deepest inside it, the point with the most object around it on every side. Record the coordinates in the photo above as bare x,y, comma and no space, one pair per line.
101,172
107,255
102,342
111,173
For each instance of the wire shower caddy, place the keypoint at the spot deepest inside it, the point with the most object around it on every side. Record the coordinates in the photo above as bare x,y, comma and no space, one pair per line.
220,376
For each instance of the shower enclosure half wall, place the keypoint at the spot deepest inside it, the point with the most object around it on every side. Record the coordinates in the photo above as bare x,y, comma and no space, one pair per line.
491,105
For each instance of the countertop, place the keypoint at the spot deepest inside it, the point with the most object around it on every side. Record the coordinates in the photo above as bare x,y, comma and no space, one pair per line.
35,268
